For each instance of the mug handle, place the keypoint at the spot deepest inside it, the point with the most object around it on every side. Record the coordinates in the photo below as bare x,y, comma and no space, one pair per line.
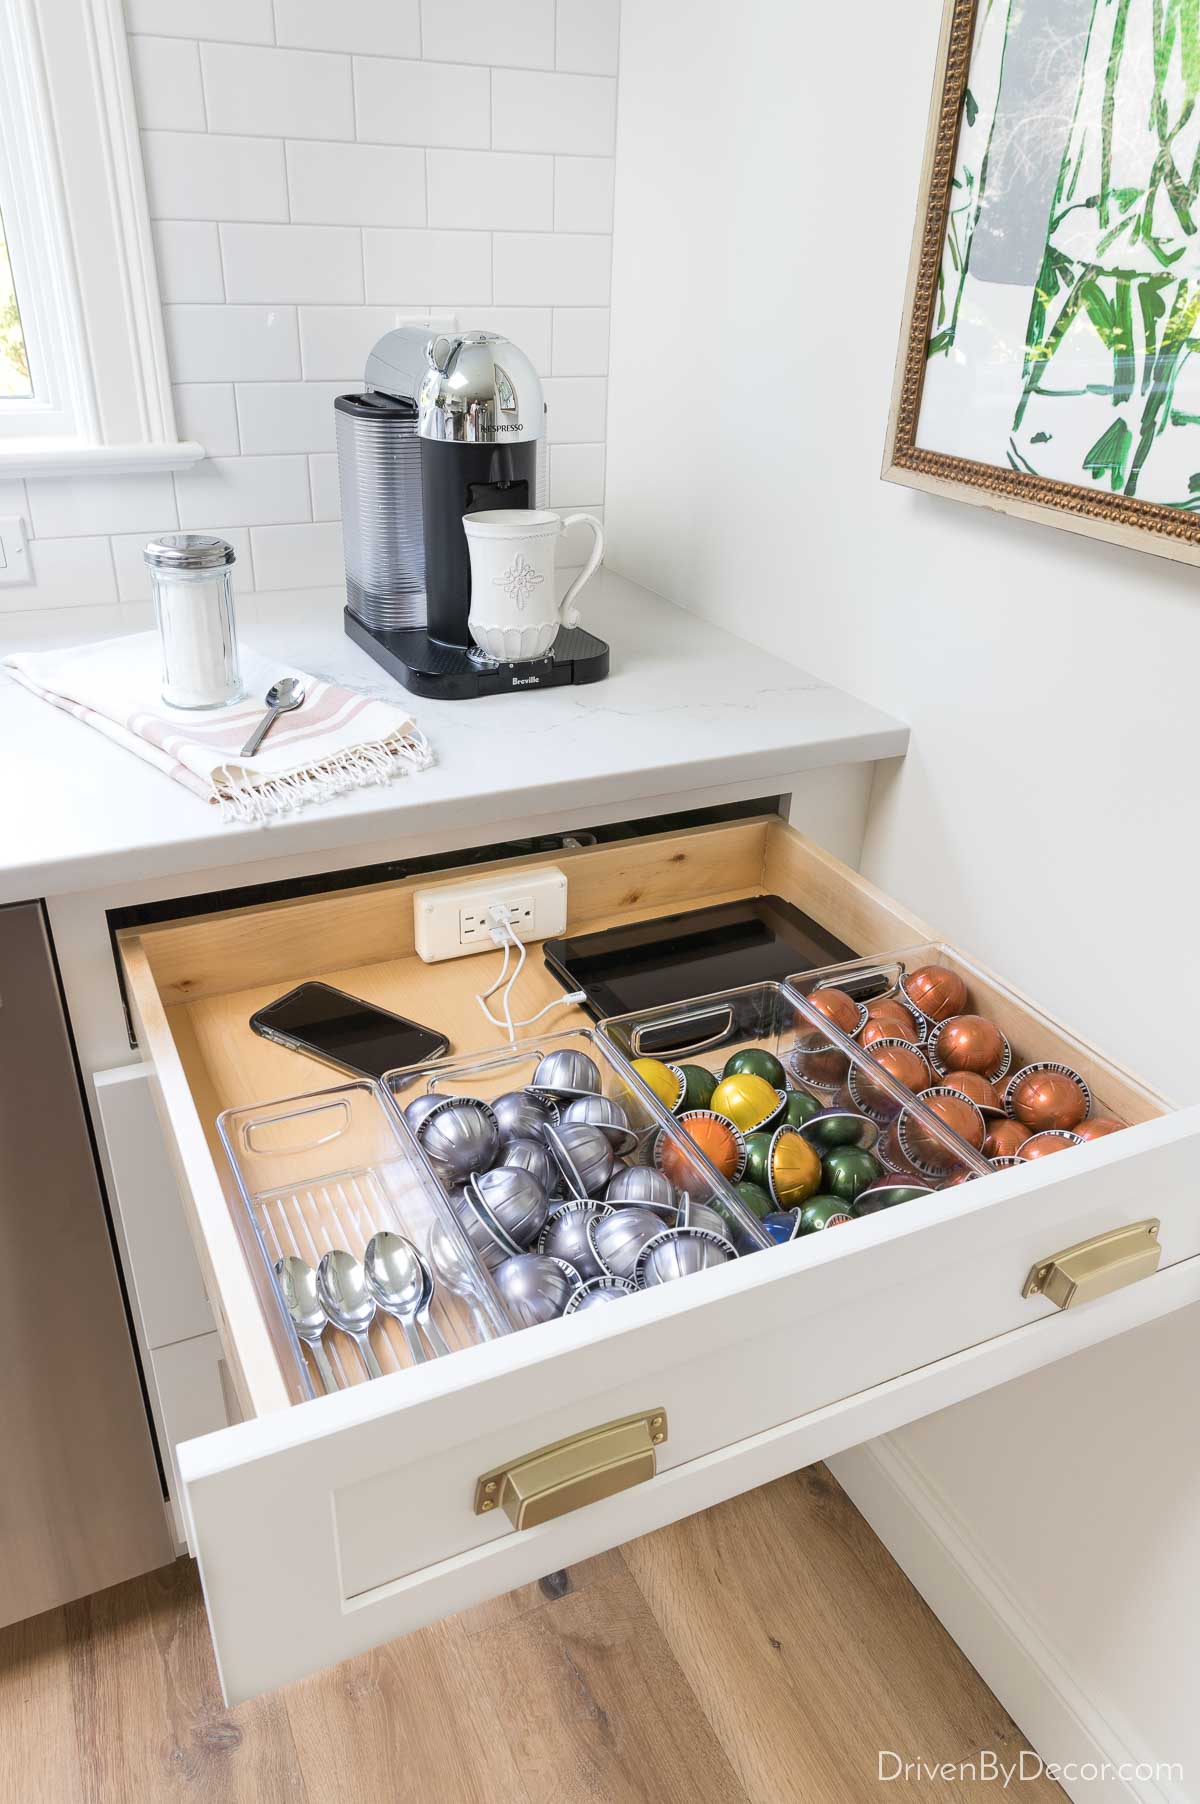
570,615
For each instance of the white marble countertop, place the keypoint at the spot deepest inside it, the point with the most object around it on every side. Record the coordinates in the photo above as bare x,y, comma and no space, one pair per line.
688,711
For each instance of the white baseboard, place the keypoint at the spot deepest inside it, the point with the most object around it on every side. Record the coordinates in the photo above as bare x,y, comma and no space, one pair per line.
1007,1649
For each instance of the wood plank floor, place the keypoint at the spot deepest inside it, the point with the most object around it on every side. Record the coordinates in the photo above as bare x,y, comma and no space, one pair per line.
760,1653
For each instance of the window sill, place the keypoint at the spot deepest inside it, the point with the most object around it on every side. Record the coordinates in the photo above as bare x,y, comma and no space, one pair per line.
58,457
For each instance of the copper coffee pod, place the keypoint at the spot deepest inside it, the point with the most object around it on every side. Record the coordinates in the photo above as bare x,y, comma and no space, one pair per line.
976,1087
1047,1095
900,1024
901,1061
1097,1126
846,1014
934,991
1005,1138
921,1145
1050,1140
969,1043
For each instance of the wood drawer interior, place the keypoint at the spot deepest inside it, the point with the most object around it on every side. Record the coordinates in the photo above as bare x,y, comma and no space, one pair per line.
194,984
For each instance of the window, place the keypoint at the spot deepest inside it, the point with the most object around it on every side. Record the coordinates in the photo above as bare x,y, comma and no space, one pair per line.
15,382
83,372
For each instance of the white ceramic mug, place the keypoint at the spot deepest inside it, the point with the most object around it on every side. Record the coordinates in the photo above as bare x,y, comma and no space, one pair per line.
514,614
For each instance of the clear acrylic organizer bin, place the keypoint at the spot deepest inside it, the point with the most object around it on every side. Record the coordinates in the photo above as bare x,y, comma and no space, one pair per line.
486,1076
326,1171
817,1058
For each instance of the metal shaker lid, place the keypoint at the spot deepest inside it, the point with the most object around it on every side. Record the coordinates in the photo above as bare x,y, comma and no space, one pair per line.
470,388
188,551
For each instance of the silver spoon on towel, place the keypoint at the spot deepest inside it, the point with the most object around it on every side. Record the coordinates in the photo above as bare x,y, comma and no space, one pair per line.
281,698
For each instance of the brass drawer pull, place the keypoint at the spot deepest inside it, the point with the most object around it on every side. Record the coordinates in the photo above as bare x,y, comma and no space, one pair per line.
1095,1267
582,1469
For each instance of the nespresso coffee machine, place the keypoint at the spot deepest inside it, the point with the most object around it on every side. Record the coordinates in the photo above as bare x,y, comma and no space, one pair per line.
449,425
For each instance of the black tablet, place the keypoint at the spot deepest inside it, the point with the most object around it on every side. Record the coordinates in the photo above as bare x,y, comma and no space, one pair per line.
676,957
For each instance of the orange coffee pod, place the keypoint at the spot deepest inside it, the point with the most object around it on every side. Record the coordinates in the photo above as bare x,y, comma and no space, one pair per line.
919,1143
1050,1140
1047,1096
839,1008
900,1026
899,1060
1098,1126
1005,1138
970,1043
974,1085
722,1144
934,991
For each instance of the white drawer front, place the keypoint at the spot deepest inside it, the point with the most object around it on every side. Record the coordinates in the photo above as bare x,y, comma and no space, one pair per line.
369,1494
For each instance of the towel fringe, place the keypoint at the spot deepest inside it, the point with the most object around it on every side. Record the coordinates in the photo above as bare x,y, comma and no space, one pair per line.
245,797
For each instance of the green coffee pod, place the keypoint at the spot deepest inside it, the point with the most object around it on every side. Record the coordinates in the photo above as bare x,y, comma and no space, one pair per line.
847,1170
759,1063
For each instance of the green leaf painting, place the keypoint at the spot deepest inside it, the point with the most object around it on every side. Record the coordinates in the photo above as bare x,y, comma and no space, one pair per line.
1065,336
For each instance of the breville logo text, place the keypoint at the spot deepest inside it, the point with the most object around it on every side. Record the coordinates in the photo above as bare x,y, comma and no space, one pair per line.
525,682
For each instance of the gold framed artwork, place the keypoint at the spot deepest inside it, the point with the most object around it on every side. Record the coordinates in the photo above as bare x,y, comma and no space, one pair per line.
1050,354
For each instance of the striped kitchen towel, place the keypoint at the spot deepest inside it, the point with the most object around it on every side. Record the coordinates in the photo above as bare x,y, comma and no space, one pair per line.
338,739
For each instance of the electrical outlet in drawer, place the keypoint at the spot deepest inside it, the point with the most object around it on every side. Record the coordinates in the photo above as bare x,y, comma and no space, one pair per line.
326,1526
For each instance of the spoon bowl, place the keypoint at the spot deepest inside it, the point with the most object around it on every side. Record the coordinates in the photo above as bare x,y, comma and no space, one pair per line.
298,1288
347,1301
281,698
395,1277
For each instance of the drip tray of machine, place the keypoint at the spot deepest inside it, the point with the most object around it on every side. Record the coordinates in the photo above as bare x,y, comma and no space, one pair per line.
451,673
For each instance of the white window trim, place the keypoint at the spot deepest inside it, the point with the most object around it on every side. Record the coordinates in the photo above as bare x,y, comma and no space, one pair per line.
81,229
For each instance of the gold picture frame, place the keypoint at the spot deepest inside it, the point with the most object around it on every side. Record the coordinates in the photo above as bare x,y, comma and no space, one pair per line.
1121,518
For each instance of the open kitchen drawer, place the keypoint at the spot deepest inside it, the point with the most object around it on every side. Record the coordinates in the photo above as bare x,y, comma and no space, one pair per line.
326,1526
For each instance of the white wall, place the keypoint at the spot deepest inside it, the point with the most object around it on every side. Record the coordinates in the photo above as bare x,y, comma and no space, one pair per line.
1047,814
317,168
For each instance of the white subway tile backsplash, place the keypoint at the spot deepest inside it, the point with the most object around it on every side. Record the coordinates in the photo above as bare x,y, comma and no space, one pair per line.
323,479
67,573
448,157
583,194
190,175
188,254
427,266
205,412
133,578
232,344
575,409
576,475
517,32
356,184
166,82
277,93
410,103
490,190
540,268
298,557
574,113
588,32
372,27
580,341
528,327
63,507
241,21
292,263
243,491
335,341
286,416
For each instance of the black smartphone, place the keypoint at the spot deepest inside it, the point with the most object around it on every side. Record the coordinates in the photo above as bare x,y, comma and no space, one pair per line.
346,1032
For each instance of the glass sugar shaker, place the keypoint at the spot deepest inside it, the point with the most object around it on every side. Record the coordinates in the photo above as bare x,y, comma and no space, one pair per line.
192,579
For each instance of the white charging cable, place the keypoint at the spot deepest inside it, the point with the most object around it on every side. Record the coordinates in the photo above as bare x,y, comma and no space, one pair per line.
505,935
